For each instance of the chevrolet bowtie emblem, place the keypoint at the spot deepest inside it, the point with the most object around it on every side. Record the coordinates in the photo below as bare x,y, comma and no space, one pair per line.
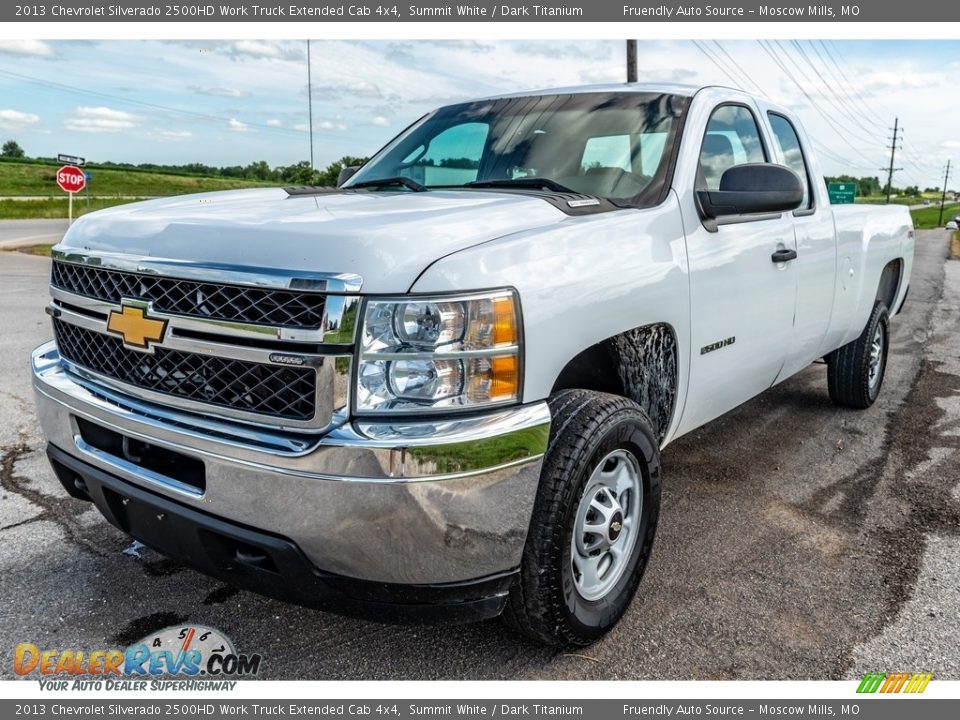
137,330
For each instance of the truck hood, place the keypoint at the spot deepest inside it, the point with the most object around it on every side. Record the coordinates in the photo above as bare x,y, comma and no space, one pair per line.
387,238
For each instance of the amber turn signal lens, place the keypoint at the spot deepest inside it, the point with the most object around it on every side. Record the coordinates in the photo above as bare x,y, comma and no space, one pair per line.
504,376
504,321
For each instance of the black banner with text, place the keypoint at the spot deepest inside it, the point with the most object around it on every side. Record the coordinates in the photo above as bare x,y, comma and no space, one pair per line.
476,11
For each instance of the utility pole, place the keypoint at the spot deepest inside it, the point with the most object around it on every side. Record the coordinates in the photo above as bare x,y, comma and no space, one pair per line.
893,152
631,61
310,103
943,198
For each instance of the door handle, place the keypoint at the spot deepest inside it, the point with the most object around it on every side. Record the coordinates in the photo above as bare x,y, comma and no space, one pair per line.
784,255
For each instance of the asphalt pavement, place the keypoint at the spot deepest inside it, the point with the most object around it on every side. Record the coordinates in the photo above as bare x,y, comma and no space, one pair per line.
796,541
19,233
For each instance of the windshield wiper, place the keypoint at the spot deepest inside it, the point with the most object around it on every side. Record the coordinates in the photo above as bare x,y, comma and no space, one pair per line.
384,182
524,182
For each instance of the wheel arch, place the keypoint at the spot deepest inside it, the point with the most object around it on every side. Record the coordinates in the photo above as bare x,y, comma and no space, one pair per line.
888,288
641,364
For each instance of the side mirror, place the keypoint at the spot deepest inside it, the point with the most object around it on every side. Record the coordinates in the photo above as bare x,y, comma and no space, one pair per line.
346,173
753,188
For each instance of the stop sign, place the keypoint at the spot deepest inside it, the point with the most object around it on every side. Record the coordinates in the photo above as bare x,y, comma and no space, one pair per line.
71,179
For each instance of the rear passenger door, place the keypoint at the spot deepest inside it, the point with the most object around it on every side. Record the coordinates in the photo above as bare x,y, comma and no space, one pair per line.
816,261
742,302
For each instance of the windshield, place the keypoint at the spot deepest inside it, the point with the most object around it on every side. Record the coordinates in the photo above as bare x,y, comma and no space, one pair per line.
617,146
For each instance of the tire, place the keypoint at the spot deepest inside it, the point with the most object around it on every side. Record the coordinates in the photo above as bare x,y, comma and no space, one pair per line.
549,602
855,371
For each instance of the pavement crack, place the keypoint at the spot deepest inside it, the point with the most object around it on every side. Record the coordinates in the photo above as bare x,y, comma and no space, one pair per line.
61,511
913,505
19,400
28,521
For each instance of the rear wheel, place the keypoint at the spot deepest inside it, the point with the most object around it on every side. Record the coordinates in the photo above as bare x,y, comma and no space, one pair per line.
593,522
855,371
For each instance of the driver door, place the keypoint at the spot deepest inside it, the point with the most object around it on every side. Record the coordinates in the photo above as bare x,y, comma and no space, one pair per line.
742,302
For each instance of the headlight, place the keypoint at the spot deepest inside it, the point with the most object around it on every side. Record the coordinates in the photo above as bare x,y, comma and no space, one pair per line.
439,354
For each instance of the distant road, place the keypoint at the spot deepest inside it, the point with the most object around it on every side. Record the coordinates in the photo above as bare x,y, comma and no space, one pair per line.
19,233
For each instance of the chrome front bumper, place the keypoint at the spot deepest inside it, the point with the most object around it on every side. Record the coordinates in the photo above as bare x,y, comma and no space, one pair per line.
407,503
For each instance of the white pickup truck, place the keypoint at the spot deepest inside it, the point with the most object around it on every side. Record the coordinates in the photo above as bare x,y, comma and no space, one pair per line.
441,389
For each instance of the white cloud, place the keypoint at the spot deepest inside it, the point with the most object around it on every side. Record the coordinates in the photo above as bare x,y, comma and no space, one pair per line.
238,126
380,121
673,75
336,125
100,120
888,80
950,144
175,134
258,49
220,92
16,120
602,74
273,122
34,48
364,88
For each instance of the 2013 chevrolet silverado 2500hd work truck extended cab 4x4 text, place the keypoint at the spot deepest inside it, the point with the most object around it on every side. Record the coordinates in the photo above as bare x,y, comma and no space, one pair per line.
441,389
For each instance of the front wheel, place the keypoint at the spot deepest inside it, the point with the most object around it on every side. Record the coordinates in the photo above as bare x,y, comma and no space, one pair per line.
593,521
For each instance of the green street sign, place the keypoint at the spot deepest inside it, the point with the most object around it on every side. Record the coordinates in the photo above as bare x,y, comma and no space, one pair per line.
842,193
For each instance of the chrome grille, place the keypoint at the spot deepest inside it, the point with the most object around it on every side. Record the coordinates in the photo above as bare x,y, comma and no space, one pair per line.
276,391
235,303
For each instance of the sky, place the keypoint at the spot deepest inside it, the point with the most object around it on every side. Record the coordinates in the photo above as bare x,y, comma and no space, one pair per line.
236,102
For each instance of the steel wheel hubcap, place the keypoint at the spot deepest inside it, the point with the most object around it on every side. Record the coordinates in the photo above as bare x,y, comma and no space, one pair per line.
606,525
876,357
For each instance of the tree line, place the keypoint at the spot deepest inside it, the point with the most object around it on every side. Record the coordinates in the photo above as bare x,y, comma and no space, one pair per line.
297,174
302,174
871,186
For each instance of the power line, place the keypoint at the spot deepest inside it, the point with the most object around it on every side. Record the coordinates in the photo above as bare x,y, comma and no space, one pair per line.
702,48
816,106
843,106
836,66
836,157
850,90
850,84
737,81
910,155
840,103
740,68
833,56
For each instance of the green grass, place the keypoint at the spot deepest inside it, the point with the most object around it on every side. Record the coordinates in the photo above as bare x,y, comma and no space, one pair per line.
929,217
40,179
54,208
882,200
43,250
